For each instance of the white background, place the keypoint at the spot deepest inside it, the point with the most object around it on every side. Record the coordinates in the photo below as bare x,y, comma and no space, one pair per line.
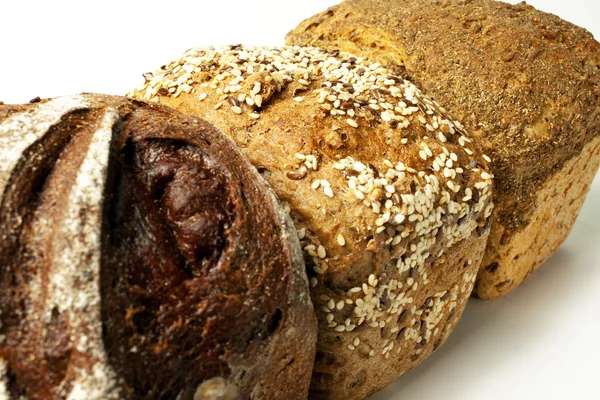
540,342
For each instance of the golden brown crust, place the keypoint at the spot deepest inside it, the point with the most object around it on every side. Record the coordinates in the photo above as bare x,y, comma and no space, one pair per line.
506,264
379,181
134,235
525,83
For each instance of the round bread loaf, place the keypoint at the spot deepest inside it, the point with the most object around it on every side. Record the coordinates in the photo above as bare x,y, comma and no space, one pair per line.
390,198
143,257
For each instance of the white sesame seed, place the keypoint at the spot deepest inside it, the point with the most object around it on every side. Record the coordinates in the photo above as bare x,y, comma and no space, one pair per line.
321,251
372,280
340,328
341,240
298,99
340,305
313,282
315,185
486,158
352,123
236,110
485,175
217,106
328,191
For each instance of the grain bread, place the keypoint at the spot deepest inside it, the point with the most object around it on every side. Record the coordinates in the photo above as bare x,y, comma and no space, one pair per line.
390,198
526,85
143,257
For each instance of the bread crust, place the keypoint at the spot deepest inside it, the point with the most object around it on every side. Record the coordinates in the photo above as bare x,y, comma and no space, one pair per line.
524,82
134,235
380,183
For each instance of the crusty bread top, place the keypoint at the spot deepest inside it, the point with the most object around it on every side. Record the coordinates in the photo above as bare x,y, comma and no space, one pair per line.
132,234
379,179
524,82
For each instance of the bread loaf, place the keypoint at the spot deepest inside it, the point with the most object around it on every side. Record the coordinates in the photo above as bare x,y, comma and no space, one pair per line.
143,257
526,84
390,199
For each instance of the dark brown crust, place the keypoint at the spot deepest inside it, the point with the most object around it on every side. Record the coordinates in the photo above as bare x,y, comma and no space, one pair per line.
201,272
525,82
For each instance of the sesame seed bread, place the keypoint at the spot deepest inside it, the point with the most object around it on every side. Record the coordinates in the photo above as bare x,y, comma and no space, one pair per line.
143,257
390,198
525,84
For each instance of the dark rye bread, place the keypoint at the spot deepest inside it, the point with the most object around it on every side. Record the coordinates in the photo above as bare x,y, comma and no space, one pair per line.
143,257
526,84
390,198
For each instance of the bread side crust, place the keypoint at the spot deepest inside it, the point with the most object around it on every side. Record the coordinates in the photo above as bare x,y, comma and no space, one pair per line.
510,259
340,375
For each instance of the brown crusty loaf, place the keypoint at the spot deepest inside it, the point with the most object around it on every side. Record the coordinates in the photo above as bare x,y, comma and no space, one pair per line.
143,257
526,85
390,198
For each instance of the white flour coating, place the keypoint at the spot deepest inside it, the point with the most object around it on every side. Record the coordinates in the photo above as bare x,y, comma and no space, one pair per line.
20,131
75,281
3,383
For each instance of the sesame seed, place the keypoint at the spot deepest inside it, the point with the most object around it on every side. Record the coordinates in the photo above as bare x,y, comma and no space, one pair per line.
340,328
298,99
328,191
340,305
313,282
217,106
315,185
352,123
341,240
254,115
236,110
321,251
485,175
301,233
486,158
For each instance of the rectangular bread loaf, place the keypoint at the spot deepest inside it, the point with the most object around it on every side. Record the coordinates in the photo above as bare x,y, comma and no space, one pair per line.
524,83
